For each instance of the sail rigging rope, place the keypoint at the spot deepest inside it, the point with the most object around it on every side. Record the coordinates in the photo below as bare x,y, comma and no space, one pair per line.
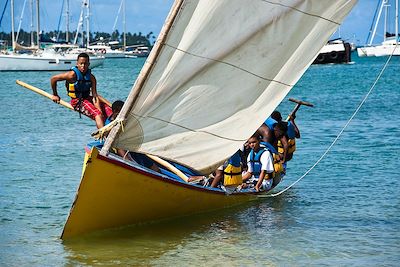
341,131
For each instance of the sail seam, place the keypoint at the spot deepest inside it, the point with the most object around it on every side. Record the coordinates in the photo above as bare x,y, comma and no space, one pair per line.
229,64
189,129
301,11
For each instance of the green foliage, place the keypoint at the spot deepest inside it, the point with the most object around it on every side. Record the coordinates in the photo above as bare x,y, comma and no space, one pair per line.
131,38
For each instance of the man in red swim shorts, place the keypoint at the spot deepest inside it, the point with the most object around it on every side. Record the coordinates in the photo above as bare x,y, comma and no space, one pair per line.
81,87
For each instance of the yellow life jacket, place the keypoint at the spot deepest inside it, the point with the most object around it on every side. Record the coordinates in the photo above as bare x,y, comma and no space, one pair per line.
232,175
233,170
278,167
81,87
291,148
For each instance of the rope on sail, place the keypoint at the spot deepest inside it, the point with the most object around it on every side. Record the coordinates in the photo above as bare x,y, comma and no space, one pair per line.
100,133
341,131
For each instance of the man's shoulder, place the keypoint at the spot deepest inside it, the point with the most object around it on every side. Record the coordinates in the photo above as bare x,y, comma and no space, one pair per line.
266,154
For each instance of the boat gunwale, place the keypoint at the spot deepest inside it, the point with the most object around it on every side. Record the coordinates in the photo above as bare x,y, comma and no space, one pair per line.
165,178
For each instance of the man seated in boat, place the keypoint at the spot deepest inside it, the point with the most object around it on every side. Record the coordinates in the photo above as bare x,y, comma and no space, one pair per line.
230,173
82,88
274,134
287,144
260,166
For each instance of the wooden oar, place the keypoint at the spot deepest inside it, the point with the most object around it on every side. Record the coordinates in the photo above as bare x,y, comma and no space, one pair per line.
68,105
169,166
299,103
62,102
43,93
105,101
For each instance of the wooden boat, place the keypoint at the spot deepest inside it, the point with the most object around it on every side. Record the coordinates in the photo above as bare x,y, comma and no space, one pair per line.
114,193
217,70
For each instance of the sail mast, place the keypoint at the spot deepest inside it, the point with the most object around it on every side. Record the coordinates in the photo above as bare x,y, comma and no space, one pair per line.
124,22
88,24
397,22
67,22
32,37
130,101
12,25
377,20
38,23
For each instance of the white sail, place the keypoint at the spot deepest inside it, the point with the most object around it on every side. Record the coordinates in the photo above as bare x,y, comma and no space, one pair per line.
224,67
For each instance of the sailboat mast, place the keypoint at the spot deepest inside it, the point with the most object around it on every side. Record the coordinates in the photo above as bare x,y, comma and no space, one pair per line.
88,24
397,22
38,23
385,23
377,20
12,25
78,28
67,22
32,37
134,94
124,22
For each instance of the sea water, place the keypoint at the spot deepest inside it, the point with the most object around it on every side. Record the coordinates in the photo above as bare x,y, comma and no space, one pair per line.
345,212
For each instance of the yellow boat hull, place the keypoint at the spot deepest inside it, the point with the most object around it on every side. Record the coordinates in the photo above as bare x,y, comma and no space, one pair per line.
113,194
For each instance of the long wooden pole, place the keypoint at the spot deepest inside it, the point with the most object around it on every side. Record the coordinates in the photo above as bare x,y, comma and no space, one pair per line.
68,105
144,73
169,166
62,102
43,93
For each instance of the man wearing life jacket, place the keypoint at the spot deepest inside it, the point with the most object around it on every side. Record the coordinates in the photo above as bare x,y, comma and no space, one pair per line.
273,131
287,143
230,171
82,88
260,165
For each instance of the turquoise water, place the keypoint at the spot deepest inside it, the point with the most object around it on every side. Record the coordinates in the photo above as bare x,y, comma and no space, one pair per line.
346,212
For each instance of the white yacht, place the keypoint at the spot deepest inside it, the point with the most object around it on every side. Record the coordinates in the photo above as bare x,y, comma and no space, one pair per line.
38,59
42,60
106,50
390,45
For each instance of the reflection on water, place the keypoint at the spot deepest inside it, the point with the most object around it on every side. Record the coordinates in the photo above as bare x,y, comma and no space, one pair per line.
224,236
149,244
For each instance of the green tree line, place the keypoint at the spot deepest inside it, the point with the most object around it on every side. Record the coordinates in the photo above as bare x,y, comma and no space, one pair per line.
24,37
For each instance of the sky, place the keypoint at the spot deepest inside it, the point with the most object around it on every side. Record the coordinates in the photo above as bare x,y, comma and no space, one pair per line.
148,16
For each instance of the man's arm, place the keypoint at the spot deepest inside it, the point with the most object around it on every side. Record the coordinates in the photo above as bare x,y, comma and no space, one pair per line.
260,180
67,76
285,146
296,129
247,176
267,168
96,100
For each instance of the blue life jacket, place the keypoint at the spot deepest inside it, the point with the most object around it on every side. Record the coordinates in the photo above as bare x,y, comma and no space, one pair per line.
268,146
270,122
80,88
255,161
236,159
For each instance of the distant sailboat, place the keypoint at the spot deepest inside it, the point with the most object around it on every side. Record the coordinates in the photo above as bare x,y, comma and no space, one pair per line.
390,44
40,60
